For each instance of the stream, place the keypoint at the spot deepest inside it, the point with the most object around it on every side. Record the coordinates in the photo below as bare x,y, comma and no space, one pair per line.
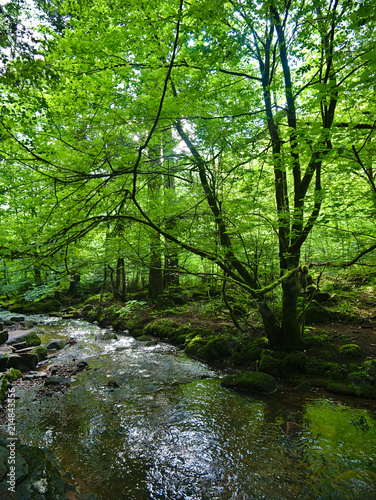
170,431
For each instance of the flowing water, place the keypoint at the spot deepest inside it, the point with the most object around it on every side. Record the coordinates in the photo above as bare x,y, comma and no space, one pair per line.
170,431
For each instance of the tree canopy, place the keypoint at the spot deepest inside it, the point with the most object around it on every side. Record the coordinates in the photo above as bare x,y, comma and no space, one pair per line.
230,140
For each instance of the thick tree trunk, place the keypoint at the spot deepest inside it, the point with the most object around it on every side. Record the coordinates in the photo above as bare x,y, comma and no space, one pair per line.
291,331
284,335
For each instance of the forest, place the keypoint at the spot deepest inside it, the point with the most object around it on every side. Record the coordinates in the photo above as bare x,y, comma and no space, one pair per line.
187,249
151,149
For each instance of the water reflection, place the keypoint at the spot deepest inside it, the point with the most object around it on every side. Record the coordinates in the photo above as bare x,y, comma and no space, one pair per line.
165,433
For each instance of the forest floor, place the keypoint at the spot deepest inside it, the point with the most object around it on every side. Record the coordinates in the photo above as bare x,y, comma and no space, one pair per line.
340,333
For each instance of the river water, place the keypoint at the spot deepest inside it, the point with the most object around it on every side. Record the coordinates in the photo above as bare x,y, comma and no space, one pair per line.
170,431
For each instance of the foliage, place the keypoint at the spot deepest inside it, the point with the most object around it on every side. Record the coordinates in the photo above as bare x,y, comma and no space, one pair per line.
222,144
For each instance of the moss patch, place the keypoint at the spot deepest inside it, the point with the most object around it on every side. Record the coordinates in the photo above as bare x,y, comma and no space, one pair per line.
41,352
251,381
350,350
31,339
13,375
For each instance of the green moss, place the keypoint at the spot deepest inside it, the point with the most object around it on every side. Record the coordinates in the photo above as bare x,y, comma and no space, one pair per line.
246,351
317,340
327,369
251,381
351,350
163,328
296,361
32,339
13,374
42,307
348,389
41,352
369,370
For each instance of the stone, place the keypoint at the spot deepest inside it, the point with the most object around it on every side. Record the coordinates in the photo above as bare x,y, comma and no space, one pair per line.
113,384
33,473
321,297
19,346
24,350
28,324
143,338
55,344
57,380
304,386
81,365
350,350
41,352
107,335
23,362
316,313
4,358
17,319
31,339
3,335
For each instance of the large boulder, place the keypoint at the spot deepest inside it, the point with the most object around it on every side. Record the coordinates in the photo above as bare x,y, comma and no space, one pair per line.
23,362
30,339
41,352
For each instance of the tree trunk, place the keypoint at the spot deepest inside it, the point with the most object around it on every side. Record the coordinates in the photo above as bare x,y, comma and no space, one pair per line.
120,279
155,286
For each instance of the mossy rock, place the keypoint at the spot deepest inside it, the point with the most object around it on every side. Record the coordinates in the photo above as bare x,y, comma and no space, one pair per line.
42,307
350,350
247,351
37,477
213,348
329,370
55,344
24,362
316,313
348,388
251,381
4,358
31,339
271,362
41,352
13,375
296,362
163,328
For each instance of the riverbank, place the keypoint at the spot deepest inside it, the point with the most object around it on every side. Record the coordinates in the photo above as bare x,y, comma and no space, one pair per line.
340,345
